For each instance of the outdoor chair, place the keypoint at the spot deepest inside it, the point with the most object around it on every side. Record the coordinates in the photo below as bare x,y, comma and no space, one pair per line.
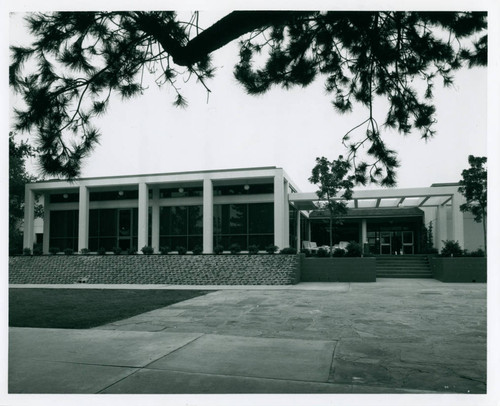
309,245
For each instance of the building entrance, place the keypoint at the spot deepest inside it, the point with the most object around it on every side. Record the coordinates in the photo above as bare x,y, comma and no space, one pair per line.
397,243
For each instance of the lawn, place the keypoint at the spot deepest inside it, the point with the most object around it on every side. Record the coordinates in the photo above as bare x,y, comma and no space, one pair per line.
86,308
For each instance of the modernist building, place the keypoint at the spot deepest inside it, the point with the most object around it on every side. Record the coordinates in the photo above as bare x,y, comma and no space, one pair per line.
253,206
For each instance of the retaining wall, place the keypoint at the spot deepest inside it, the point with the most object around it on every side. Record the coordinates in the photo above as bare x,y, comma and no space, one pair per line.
156,269
338,270
459,269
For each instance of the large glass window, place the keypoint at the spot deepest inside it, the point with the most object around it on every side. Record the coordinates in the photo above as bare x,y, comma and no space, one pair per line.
181,226
244,224
109,228
64,229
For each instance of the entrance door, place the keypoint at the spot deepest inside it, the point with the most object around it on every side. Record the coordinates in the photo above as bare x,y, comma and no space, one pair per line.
385,242
125,229
396,242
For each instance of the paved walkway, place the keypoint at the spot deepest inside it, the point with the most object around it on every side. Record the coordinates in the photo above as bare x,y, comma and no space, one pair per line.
392,336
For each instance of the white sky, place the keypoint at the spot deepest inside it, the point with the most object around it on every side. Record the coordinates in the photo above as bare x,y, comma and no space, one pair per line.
284,128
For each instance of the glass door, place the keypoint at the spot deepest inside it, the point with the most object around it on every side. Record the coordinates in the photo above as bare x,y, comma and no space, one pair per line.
125,229
408,247
385,242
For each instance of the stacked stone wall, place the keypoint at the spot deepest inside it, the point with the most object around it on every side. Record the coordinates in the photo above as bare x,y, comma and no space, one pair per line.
156,269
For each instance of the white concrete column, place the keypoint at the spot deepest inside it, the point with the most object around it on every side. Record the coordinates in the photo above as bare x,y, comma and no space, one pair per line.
83,218
364,234
155,219
441,227
46,223
457,219
299,242
29,218
142,226
208,217
286,216
279,210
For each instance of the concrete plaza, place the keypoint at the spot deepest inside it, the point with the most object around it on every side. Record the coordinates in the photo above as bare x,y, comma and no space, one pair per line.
392,336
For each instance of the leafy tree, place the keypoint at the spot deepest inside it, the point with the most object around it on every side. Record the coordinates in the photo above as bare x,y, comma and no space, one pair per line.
18,177
473,186
335,188
79,59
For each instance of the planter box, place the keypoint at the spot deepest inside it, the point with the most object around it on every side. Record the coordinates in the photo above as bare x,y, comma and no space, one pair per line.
338,270
459,269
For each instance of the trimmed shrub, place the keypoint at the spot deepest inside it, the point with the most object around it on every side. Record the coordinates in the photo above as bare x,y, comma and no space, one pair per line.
26,252
181,250
164,250
101,251
306,252
271,249
132,251
84,251
451,248
54,250
353,249
197,250
288,251
253,249
478,253
322,253
37,249
338,252
235,248
69,251
218,249
116,250
147,250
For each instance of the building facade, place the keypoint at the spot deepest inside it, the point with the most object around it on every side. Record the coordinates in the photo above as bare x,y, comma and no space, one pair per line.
249,207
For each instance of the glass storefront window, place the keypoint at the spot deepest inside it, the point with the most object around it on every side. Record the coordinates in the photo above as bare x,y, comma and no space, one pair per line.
181,226
244,224
64,229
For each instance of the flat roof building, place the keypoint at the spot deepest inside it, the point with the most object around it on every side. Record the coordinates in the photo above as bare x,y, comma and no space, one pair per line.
248,207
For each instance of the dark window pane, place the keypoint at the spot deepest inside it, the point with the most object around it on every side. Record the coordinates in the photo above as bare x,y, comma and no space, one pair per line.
262,241
173,220
107,223
194,241
261,218
195,220
93,223
237,218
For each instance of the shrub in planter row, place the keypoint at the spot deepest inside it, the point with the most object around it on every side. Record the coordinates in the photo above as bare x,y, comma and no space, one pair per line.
116,250
322,253
164,250
54,250
147,250
132,251
253,249
235,248
101,251
37,249
181,250
68,251
84,251
271,249
353,249
218,249
288,251
451,249
197,250
26,251
338,252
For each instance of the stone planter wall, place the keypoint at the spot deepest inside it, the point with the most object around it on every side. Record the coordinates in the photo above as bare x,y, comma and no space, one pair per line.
156,269
458,269
338,270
